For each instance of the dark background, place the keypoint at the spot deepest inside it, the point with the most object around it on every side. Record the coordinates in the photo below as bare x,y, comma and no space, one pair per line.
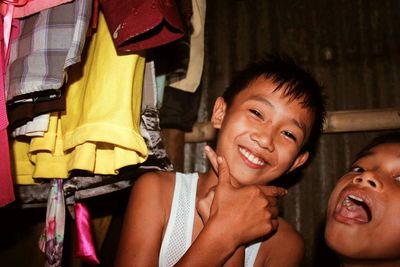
352,47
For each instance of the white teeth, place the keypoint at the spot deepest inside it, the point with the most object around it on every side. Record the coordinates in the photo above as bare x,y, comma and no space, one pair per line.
252,158
355,198
346,202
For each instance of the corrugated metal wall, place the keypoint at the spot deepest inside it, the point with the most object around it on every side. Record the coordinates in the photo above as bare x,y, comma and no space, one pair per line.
352,47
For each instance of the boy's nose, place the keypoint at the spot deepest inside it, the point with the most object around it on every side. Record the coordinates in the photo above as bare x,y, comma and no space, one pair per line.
264,140
368,179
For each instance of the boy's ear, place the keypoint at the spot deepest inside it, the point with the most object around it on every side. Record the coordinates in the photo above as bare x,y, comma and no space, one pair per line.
218,113
300,160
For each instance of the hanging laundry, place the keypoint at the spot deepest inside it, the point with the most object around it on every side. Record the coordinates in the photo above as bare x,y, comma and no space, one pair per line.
85,248
52,239
145,24
23,8
9,29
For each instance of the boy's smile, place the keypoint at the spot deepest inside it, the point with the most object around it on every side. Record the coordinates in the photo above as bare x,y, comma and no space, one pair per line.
261,132
365,205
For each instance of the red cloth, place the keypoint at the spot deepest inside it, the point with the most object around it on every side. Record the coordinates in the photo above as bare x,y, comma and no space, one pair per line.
145,24
9,29
6,182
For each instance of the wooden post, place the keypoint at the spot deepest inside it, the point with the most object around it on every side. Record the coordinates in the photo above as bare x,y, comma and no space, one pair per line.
362,120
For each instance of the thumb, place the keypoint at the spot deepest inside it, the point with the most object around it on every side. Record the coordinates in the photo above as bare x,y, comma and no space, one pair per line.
212,157
223,171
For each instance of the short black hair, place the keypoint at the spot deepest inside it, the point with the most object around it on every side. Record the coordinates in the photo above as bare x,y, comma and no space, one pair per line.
386,138
297,83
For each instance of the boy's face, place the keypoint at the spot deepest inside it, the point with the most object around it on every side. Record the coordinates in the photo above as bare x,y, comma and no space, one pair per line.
261,133
363,216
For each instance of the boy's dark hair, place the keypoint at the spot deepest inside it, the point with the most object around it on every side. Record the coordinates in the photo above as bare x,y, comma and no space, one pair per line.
297,83
387,138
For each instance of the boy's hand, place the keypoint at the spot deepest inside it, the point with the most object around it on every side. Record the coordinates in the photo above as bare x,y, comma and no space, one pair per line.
245,213
204,205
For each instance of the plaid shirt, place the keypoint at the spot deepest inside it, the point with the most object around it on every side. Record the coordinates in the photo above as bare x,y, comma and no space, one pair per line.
49,42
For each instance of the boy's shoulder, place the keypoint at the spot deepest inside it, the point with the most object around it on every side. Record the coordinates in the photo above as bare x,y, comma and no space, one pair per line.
158,180
154,191
285,247
289,233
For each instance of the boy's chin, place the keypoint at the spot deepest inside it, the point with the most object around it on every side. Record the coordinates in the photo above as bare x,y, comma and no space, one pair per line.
342,243
354,251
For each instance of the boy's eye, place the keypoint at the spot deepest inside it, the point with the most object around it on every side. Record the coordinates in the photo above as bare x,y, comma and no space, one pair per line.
256,112
356,169
290,135
397,179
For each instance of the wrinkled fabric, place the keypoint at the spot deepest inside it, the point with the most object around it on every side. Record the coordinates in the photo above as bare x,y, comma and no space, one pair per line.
52,238
23,112
6,180
150,124
145,24
8,31
50,42
36,127
102,117
179,109
23,8
195,68
85,249
103,101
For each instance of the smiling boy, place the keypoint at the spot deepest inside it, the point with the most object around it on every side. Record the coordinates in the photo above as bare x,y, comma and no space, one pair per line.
268,120
363,225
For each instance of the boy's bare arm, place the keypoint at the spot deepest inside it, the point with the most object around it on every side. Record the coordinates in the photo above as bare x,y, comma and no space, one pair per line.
237,217
143,224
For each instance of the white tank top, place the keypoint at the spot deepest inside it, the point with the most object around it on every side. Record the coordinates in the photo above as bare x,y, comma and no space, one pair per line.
178,235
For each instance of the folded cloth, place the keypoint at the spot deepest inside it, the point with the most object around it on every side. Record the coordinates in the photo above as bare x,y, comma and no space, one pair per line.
146,24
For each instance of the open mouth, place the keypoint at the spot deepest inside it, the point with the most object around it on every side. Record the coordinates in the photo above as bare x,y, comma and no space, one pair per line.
355,208
251,157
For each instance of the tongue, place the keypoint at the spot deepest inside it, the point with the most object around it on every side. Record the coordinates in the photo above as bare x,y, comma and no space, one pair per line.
354,212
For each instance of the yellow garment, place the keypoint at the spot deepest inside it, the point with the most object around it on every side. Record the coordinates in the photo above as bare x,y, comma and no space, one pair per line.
99,131
47,153
101,123
21,165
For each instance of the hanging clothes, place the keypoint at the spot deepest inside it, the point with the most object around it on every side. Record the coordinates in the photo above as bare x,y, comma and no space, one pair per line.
101,121
23,8
50,42
195,68
145,24
9,29
52,239
99,130
20,113
81,186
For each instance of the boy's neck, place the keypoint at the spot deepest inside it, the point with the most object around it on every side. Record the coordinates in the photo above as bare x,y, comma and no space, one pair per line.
207,180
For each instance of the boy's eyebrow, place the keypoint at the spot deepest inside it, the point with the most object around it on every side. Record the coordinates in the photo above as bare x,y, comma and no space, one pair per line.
300,125
262,99
266,101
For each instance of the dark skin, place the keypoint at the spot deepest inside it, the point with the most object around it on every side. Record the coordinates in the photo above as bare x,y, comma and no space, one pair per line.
359,239
261,136
217,240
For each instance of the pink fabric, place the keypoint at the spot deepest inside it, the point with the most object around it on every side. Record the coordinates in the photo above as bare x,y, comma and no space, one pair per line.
84,248
7,34
23,8
6,182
